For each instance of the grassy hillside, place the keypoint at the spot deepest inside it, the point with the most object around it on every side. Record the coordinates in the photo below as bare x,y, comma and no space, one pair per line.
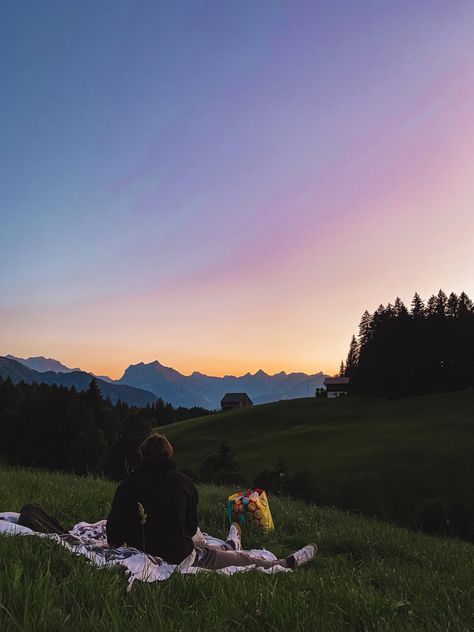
384,456
367,576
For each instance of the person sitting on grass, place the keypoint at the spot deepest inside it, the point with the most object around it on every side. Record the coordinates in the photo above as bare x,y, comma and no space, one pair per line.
155,510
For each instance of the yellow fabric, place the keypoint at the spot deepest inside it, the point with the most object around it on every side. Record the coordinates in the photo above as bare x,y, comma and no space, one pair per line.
251,506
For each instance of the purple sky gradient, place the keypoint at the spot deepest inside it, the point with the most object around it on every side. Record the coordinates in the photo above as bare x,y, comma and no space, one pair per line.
228,186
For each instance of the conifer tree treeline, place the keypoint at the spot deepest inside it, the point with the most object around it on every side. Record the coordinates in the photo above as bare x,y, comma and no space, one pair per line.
428,348
62,429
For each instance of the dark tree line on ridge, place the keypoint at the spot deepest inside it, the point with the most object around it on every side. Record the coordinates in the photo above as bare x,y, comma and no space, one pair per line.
428,348
63,429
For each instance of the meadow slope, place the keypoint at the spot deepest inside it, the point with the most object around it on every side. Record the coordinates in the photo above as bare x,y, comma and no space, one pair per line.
367,576
384,456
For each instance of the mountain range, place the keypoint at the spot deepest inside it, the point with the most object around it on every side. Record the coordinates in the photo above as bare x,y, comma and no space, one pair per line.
19,372
203,390
197,389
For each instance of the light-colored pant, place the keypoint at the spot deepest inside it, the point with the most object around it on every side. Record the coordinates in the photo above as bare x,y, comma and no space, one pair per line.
223,556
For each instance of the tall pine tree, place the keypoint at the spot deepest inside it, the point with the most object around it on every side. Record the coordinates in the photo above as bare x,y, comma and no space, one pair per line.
352,358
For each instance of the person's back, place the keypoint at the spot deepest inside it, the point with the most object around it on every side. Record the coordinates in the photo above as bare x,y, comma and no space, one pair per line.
155,508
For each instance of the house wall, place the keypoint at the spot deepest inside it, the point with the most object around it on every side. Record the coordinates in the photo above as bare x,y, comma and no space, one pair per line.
232,405
333,394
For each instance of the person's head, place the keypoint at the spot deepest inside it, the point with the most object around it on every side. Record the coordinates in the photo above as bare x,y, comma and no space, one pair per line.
155,445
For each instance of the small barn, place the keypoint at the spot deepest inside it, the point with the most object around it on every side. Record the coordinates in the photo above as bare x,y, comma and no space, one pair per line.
337,386
235,400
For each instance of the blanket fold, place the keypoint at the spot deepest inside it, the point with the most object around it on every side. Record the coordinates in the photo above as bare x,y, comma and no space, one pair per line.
90,541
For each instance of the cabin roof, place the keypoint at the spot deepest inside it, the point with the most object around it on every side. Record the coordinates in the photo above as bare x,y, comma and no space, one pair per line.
229,398
336,380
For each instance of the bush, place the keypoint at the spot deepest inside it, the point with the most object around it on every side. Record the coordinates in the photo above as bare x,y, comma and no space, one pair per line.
221,467
365,494
460,523
273,479
433,517
300,484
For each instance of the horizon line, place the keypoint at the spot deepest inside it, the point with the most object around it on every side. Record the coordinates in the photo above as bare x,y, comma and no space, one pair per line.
100,374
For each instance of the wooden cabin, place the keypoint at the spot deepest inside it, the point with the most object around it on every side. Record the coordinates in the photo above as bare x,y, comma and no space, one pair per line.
235,400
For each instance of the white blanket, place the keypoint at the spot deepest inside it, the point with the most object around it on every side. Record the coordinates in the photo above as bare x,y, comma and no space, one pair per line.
90,540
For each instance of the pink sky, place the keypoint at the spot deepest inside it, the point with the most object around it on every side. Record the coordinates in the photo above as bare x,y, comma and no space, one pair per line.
224,207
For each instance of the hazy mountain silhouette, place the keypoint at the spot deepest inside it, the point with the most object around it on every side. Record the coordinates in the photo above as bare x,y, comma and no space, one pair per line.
18,372
207,391
196,389
42,364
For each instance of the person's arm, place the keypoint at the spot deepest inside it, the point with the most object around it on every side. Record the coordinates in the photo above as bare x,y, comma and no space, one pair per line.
192,515
117,521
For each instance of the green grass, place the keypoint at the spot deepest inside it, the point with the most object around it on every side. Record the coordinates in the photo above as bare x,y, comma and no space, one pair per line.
367,576
394,452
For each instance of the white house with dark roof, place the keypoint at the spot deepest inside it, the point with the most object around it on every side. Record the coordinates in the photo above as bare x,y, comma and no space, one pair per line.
337,386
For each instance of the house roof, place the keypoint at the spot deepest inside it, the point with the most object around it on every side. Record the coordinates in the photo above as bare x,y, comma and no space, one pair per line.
229,398
336,380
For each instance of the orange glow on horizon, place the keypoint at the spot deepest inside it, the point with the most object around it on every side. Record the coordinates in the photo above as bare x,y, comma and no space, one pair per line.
115,370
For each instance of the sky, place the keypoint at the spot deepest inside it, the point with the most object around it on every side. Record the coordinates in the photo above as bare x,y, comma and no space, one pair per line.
227,186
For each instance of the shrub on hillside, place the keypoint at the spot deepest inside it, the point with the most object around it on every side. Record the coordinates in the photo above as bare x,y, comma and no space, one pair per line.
302,484
362,494
460,522
273,479
438,518
279,480
221,467
433,517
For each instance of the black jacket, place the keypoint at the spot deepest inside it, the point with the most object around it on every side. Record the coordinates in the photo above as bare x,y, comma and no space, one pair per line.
169,500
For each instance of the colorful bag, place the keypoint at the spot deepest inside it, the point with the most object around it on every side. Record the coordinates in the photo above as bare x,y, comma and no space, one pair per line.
251,506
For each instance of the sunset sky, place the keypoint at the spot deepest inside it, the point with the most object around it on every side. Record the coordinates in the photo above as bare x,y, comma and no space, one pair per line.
227,186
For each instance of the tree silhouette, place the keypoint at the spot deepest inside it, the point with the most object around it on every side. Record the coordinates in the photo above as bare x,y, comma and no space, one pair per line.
365,328
352,358
427,350
417,307
62,429
452,306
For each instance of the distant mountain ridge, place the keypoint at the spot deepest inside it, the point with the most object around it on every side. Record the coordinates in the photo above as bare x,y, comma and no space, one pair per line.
199,389
207,391
42,364
18,372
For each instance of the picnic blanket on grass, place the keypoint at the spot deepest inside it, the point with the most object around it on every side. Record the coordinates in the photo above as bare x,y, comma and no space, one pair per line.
90,541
